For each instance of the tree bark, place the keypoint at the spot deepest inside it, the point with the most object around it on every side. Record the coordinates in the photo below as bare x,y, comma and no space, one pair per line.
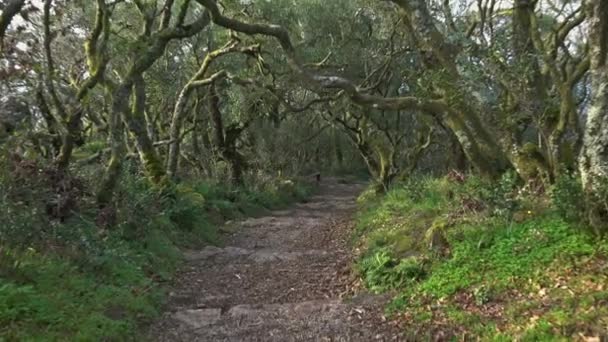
11,9
226,139
594,159
117,144
68,118
136,122
479,143
197,81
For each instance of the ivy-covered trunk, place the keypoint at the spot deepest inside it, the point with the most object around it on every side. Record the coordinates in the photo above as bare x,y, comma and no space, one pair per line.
594,159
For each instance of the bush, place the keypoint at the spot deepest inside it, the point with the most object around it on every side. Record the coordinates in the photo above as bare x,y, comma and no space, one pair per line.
502,196
382,272
505,251
516,251
567,197
93,275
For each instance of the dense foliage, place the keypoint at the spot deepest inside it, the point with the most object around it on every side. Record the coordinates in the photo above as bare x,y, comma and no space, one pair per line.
491,260
131,127
54,273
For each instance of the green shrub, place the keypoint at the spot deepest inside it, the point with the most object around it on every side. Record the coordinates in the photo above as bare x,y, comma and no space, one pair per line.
499,199
502,196
70,279
567,197
517,251
500,241
381,271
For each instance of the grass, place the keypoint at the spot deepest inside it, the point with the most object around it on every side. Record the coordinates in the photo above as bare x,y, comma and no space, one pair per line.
506,264
51,298
73,280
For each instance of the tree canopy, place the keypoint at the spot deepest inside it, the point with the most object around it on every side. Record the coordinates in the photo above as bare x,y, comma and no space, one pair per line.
393,86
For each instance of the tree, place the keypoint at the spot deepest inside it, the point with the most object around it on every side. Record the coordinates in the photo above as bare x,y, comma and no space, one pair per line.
9,11
390,83
594,159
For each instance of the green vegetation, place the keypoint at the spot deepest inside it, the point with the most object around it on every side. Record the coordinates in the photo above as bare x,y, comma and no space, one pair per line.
129,129
72,280
480,258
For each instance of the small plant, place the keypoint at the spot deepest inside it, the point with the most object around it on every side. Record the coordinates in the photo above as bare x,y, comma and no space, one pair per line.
499,199
77,279
503,198
382,272
410,268
567,197
481,294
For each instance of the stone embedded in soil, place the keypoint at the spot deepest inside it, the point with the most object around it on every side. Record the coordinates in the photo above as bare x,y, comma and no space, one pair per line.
280,279
198,318
262,255
212,251
269,255
288,310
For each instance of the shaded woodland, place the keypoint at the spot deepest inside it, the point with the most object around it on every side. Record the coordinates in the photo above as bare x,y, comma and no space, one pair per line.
112,111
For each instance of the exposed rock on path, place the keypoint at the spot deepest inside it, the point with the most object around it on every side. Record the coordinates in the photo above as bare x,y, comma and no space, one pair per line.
282,277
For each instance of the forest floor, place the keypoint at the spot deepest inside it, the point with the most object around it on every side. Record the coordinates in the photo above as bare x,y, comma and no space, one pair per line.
286,276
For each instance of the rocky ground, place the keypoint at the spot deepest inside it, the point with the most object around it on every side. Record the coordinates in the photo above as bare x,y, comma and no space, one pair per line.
283,277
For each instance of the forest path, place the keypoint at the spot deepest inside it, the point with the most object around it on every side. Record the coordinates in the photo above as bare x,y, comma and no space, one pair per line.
282,277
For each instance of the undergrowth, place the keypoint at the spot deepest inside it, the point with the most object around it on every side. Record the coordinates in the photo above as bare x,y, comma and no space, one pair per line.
94,276
494,261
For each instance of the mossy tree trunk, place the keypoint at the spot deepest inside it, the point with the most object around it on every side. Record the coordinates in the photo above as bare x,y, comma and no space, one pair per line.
120,102
594,159
565,73
198,80
354,127
145,51
68,116
480,144
51,124
136,122
226,138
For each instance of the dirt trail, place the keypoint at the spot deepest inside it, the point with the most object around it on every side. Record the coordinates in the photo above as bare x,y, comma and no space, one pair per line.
282,277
